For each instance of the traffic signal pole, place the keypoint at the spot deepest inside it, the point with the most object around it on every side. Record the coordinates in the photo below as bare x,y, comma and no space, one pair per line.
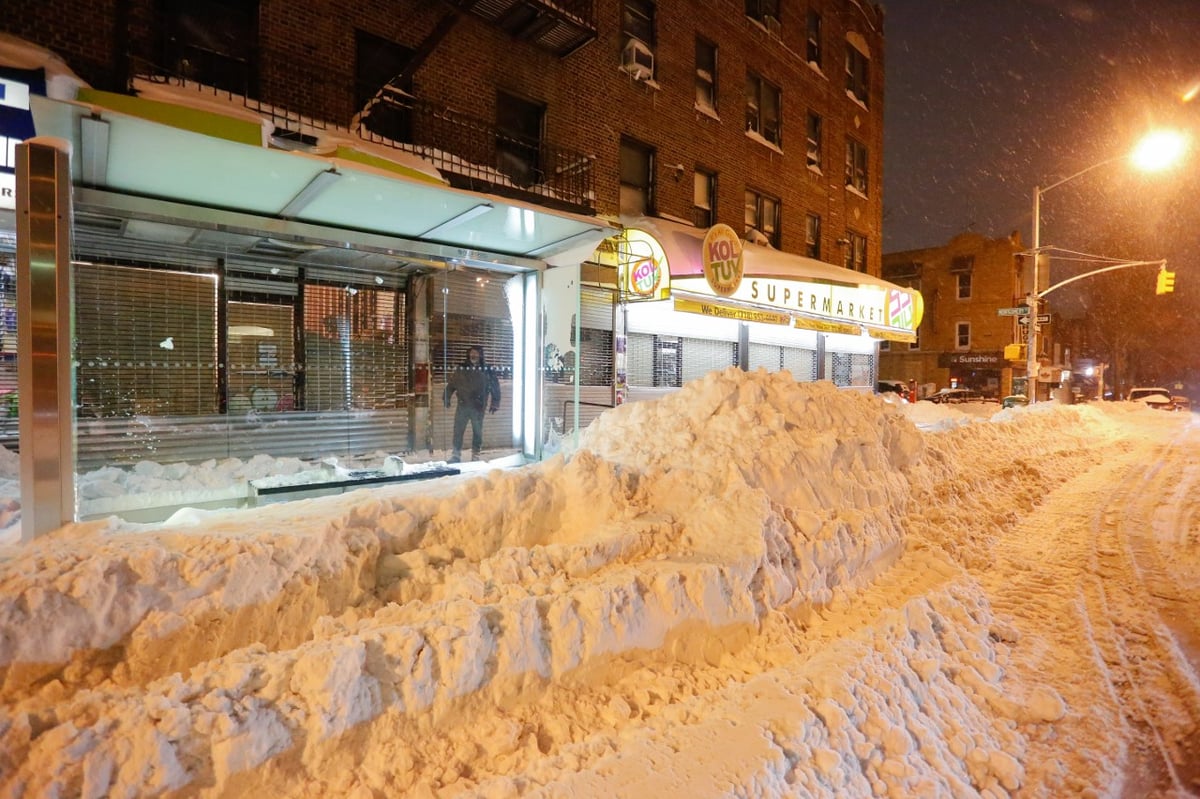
1166,283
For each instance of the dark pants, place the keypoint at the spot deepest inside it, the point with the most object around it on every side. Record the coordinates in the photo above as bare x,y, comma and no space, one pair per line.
463,414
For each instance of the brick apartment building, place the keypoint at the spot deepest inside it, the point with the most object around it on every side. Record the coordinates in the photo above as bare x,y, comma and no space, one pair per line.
291,221
749,112
962,337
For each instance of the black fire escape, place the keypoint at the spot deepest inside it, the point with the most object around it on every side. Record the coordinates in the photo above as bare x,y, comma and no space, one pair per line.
559,26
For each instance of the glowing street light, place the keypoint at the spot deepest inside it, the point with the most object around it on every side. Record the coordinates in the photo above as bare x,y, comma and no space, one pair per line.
1159,150
1155,152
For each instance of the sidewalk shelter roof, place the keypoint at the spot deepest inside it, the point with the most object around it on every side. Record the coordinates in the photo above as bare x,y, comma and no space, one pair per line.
196,156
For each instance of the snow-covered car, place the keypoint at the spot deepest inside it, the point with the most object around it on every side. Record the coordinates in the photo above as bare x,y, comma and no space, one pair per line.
1152,396
1140,393
1181,403
1014,401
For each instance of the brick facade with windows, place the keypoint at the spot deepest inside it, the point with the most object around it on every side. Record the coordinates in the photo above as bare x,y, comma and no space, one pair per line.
303,58
965,281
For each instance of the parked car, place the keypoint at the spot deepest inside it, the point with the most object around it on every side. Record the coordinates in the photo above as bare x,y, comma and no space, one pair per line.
1014,401
952,395
1155,397
893,391
1180,403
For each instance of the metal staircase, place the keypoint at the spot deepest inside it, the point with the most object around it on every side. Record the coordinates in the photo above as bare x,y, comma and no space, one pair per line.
558,26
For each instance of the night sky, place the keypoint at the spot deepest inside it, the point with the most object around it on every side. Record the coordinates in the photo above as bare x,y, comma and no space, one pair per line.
987,98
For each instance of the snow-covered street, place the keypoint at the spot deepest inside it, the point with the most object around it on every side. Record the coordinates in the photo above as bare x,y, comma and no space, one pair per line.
753,587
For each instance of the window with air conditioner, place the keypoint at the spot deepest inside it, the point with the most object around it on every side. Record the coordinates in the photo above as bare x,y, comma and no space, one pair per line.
638,60
637,35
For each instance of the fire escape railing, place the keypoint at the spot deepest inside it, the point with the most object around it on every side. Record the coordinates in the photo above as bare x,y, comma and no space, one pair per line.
471,153
476,154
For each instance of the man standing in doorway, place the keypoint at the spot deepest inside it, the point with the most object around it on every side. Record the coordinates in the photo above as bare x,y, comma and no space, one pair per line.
478,389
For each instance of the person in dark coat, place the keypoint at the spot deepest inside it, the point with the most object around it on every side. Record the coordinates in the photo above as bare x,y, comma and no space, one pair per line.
478,389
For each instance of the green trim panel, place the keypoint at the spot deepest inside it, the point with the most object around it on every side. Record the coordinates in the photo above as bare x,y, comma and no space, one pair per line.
366,159
208,123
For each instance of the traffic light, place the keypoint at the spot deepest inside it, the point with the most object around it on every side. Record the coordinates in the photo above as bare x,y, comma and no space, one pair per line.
1166,282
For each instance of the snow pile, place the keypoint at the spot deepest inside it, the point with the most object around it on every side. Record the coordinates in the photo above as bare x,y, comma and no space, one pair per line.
715,589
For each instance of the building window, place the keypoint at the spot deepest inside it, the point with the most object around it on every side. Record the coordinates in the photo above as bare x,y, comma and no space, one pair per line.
706,75
812,236
762,109
212,42
856,166
858,68
964,285
855,252
762,219
637,178
814,140
813,47
962,336
637,38
762,10
704,198
519,139
378,62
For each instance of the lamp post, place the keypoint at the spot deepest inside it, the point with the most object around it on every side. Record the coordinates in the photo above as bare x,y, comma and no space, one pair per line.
1155,151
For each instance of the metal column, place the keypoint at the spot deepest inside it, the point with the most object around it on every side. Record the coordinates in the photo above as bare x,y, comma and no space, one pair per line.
45,378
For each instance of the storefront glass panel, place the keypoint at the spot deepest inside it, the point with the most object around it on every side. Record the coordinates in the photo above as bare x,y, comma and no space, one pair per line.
188,352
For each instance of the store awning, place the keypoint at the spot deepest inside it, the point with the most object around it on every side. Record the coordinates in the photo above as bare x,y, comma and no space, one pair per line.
783,288
196,156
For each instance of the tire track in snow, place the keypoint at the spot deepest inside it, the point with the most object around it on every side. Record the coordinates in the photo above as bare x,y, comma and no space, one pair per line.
1148,525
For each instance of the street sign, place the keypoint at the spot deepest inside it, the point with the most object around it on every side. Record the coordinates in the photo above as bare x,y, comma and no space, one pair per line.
1020,310
1043,319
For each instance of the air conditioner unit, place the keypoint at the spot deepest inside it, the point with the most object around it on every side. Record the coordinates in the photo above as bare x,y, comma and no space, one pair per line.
638,59
771,24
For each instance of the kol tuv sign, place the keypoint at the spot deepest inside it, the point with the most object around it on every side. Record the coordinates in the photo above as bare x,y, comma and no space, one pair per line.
722,257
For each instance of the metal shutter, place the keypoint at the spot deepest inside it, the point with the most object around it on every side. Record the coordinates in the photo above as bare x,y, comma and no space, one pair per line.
145,341
596,337
8,342
352,358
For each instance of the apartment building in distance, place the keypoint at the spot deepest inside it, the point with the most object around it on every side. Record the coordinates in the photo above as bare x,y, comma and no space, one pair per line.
968,286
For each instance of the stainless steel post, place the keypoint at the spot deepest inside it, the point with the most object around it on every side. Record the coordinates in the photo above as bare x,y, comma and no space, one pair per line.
45,378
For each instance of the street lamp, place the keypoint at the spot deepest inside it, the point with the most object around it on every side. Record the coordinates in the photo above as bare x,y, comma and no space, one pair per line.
1156,151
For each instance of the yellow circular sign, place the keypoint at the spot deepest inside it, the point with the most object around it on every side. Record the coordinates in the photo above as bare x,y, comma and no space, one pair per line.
722,258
